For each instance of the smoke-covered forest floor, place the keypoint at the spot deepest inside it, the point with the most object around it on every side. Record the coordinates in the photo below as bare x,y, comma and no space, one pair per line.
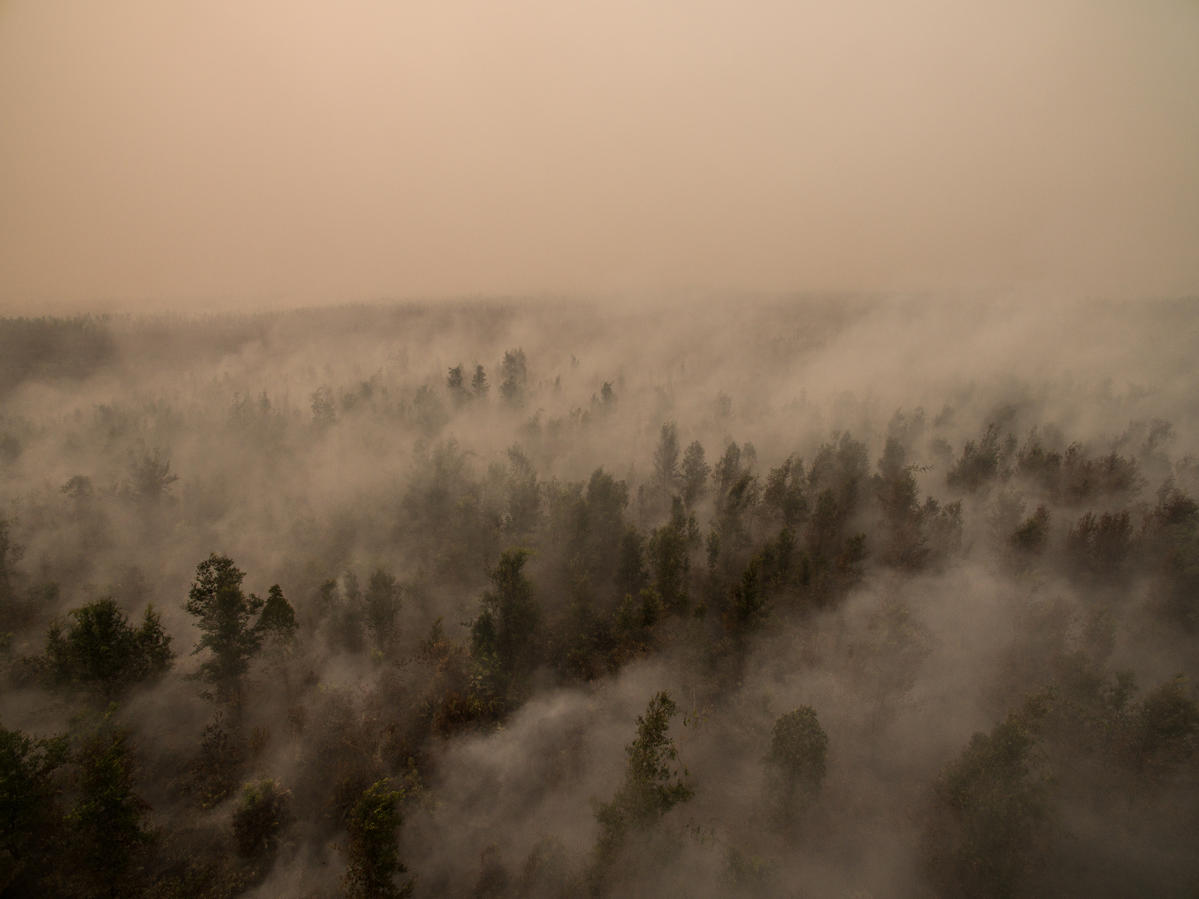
761,597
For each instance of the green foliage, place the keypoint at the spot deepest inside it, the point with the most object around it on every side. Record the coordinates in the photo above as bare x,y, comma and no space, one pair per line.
694,474
1098,546
785,492
101,650
263,811
631,573
747,600
216,771
1038,464
798,751
795,765
1084,478
278,620
10,554
224,614
478,382
637,615
29,808
978,465
666,459
514,370
991,815
52,348
840,468
916,534
504,638
653,783
372,853
1072,476
150,477
670,557
1030,537
524,493
107,827
1165,729
1172,544
382,606
324,412
736,495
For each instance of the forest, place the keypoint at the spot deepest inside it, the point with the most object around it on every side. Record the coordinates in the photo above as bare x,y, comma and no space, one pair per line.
755,596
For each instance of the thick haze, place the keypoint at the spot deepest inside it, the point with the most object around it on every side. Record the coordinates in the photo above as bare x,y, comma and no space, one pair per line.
179,155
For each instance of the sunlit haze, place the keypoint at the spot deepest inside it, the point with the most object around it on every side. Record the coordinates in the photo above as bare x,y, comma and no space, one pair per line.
193,154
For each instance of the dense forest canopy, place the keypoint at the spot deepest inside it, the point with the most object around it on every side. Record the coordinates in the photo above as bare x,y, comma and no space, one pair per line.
769,597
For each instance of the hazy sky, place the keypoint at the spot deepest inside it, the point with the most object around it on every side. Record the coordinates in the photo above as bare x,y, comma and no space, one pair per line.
167,154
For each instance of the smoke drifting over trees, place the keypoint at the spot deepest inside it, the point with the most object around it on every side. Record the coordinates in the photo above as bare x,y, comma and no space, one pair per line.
883,597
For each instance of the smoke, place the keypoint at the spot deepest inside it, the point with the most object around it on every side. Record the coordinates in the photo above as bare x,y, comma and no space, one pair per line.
217,155
317,447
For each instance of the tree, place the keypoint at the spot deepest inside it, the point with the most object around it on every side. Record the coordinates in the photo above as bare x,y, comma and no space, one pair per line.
106,823
747,599
796,762
991,815
515,373
653,783
150,476
631,574
263,811
694,473
478,383
223,615
1164,729
785,492
382,606
1098,546
670,557
100,649
216,771
666,459
1030,537
504,636
324,413
278,619
979,463
10,554
374,858
30,819
524,493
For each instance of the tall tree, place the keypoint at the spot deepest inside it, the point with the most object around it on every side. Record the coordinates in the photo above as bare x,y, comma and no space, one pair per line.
278,619
382,605
224,613
10,554
478,382
374,857
666,459
99,648
653,783
991,816
108,832
694,473
30,818
504,636
670,557
516,376
263,811
796,762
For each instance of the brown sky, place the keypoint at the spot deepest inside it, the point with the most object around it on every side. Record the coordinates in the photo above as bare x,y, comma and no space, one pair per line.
173,154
